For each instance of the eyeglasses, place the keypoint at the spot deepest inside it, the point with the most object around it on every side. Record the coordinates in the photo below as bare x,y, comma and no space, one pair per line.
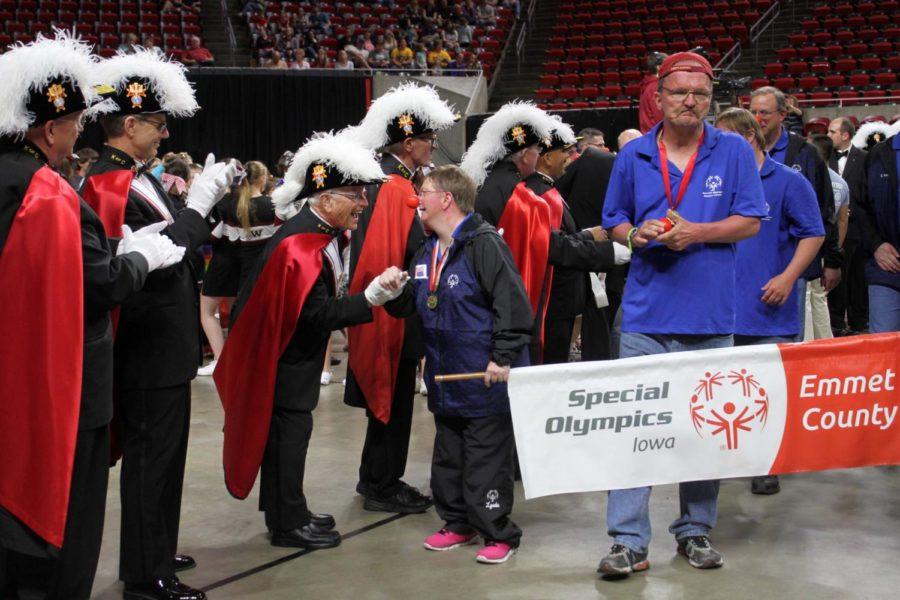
425,192
431,139
763,113
361,197
681,95
79,117
161,126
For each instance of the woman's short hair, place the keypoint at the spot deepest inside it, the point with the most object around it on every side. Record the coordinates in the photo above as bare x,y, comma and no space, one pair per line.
450,178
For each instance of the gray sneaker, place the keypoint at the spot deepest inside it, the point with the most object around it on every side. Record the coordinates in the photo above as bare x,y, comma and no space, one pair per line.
622,560
699,552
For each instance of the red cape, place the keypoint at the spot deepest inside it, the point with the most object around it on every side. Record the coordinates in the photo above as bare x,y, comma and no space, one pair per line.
526,230
375,347
254,346
107,194
42,295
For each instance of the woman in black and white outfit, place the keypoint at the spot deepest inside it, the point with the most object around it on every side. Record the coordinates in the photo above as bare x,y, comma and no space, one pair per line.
247,222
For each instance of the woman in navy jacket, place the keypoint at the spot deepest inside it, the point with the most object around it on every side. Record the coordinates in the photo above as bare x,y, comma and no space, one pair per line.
475,318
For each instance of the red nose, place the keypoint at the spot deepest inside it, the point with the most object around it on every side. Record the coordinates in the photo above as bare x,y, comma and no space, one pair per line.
412,201
667,223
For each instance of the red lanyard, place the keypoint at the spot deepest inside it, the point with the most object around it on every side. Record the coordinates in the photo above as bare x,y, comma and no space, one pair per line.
436,268
688,172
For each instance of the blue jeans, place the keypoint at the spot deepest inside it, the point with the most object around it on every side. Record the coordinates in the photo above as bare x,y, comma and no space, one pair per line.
756,340
628,511
884,309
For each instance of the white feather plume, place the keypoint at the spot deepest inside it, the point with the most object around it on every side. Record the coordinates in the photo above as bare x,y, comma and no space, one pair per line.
25,68
167,78
339,151
867,129
488,147
565,132
422,101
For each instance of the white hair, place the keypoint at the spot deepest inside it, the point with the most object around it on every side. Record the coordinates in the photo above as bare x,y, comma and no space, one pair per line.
488,147
25,68
167,79
341,152
422,101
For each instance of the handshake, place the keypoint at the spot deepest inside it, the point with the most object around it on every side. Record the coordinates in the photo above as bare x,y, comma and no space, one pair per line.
386,287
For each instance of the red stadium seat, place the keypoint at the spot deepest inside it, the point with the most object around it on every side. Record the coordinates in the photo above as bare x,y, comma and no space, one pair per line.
545,94
797,67
549,79
833,81
570,79
870,63
785,83
859,80
785,54
844,65
590,92
568,93
591,78
885,79
808,82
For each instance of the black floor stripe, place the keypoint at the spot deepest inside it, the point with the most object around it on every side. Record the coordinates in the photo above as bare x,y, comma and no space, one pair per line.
298,554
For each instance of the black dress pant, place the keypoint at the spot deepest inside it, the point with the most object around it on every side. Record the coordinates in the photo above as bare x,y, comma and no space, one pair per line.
284,463
472,476
848,303
155,426
70,574
557,340
386,447
595,328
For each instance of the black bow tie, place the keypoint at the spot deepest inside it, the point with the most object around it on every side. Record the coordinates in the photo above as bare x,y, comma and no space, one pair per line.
840,154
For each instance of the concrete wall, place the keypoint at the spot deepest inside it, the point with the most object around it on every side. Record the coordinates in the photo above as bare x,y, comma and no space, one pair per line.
468,95
860,112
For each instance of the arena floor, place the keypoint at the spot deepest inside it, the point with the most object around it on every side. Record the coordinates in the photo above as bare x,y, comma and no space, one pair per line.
826,535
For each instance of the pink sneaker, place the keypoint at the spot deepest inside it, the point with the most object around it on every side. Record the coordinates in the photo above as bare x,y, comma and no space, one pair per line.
447,540
495,553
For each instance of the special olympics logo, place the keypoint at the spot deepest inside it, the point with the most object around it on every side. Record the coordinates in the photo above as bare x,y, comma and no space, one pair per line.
729,407
713,183
453,280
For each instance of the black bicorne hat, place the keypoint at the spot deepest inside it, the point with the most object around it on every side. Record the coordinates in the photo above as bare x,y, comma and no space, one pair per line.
519,136
322,176
136,96
58,98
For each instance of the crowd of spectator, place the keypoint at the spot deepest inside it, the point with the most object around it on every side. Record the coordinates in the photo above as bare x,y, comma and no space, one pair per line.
428,37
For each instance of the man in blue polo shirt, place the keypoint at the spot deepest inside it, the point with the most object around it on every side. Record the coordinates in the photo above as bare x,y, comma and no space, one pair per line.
770,263
680,196
769,106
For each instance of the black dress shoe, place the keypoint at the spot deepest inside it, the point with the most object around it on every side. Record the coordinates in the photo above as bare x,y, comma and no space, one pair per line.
183,562
405,500
306,537
162,589
765,485
321,522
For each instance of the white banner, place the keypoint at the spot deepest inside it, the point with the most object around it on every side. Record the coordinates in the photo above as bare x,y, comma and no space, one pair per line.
688,416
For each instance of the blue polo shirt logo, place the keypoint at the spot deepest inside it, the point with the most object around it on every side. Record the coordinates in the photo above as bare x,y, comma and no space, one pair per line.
453,280
713,187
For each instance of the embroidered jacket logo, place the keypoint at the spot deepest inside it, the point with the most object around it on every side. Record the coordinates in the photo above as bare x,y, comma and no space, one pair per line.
492,497
713,186
727,405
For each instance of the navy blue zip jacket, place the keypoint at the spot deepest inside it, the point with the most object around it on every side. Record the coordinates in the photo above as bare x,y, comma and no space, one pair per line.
482,314
879,215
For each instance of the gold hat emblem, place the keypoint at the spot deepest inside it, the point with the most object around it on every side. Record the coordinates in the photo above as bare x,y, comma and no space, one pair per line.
136,92
319,175
56,95
405,122
518,135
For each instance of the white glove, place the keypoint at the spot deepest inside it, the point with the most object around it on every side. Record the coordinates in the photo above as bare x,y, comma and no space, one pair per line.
158,250
210,185
378,295
623,254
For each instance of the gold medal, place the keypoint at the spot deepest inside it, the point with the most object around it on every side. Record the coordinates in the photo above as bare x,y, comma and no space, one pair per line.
431,302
